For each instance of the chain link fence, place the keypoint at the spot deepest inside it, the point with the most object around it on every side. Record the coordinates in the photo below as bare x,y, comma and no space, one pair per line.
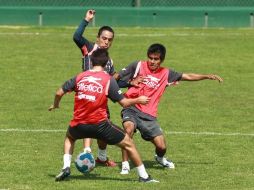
130,3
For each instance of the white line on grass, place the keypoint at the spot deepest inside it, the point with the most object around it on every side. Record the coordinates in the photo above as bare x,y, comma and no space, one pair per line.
207,133
179,34
166,132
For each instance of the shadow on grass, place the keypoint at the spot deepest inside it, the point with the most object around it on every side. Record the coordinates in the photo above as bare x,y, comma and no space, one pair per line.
148,164
93,177
154,165
194,163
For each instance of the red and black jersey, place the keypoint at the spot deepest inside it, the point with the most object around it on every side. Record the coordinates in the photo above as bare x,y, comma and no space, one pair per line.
86,47
92,88
153,85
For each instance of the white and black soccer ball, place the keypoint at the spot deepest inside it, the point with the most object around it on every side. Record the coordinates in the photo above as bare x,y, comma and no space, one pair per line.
85,162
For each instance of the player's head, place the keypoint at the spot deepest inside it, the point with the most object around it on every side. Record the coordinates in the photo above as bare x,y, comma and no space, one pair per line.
105,37
156,54
99,57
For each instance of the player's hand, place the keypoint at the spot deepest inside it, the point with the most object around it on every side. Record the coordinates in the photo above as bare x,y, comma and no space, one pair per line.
215,77
89,15
52,107
143,100
135,82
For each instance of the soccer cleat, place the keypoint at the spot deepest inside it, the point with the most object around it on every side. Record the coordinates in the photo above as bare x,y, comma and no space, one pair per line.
108,163
147,180
63,174
125,170
164,162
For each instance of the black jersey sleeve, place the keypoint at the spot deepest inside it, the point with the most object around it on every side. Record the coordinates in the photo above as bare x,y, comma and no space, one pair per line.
114,92
78,36
112,68
69,85
128,72
174,76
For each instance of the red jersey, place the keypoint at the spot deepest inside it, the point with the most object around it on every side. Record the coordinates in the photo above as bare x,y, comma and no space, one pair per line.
152,87
90,98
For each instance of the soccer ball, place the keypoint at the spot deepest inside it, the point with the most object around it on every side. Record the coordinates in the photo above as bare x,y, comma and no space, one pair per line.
85,162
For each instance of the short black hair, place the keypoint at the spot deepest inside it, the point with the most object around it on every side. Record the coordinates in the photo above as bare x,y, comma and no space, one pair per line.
108,28
99,57
157,48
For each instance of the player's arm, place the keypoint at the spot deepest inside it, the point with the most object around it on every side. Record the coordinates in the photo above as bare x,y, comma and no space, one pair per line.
198,77
125,78
112,71
126,102
58,96
78,35
115,94
68,86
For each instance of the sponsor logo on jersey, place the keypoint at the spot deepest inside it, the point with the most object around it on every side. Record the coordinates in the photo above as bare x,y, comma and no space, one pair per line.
151,81
119,92
90,84
87,97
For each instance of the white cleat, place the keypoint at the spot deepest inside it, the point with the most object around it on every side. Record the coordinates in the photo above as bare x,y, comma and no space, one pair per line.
148,180
125,171
164,162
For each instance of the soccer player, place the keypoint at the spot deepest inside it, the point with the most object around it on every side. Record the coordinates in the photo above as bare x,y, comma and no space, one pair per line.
154,81
104,40
92,88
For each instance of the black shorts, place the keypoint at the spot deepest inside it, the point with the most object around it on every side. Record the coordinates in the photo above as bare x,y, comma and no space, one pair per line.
105,131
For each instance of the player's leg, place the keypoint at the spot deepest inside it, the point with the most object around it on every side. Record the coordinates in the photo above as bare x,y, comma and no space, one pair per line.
127,144
129,128
129,120
114,135
102,155
160,150
73,133
87,143
68,151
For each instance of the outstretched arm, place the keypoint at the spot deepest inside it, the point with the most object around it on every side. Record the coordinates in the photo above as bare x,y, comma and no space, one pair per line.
68,86
77,37
58,96
197,77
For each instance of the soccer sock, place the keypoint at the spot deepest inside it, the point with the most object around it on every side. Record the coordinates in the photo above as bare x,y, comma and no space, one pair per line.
67,160
142,171
87,150
126,164
102,154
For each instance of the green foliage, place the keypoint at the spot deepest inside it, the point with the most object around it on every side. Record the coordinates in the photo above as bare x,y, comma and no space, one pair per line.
213,148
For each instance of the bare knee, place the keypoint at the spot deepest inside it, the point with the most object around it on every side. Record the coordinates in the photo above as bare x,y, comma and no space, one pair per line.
126,143
129,128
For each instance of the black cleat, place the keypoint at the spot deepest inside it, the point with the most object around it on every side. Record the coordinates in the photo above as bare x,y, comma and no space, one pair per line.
63,174
147,180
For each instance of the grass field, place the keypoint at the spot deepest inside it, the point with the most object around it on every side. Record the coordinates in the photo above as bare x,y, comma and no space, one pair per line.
209,126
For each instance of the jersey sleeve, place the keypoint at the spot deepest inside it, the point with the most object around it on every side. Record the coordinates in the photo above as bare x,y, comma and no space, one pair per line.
174,76
69,85
114,92
128,72
78,38
112,68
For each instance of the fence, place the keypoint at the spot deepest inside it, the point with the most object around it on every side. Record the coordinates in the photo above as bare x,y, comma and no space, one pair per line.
130,3
144,13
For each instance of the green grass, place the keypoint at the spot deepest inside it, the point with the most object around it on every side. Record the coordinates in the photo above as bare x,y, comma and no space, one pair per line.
36,61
